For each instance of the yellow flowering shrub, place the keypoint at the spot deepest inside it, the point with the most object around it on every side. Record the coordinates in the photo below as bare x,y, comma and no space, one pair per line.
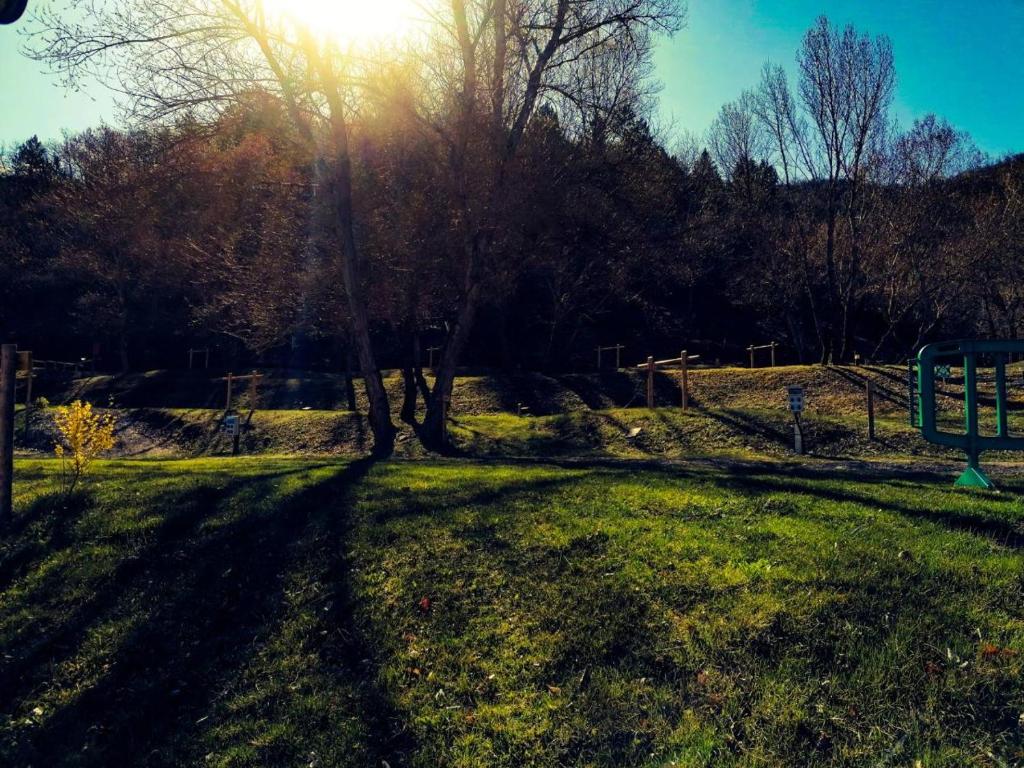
84,435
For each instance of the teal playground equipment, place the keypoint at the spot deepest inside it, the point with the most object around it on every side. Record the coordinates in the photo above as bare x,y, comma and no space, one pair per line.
934,362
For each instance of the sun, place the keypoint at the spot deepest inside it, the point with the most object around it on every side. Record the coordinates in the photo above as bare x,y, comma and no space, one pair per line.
352,23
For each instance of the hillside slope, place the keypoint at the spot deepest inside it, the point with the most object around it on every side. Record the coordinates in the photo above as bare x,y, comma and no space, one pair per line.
732,411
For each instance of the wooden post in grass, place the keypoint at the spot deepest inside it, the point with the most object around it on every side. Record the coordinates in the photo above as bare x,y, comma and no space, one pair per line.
871,410
754,348
227,404
618,356
684,384
8,366
650,381
431,351
26,364
254,395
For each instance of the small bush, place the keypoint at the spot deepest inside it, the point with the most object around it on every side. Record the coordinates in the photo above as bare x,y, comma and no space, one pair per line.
84,435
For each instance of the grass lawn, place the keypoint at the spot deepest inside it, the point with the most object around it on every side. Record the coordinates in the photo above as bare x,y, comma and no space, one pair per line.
265,612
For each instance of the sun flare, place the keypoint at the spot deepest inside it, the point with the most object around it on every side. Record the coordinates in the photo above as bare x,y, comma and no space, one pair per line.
352,22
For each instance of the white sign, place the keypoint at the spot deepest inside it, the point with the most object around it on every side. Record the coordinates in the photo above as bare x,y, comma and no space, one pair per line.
796,399
232,425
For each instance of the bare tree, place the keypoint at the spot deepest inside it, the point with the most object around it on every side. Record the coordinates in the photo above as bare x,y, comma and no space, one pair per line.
833,136
493,63
738,136
919,265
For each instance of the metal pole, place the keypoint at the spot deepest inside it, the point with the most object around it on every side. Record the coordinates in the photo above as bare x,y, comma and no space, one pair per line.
750,349
871,410
8,366
971,408
773,354
650,382
1002,429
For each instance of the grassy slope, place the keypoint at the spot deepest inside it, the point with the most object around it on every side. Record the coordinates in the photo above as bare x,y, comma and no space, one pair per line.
736,411
268,612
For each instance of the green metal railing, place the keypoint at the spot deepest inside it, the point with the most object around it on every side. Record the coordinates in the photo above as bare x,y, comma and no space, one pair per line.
970,441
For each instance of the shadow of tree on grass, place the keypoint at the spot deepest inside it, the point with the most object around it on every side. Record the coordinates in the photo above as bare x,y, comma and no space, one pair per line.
144,670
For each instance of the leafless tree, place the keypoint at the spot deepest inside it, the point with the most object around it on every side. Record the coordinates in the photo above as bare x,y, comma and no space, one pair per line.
737,135
493,63
832,136
918,264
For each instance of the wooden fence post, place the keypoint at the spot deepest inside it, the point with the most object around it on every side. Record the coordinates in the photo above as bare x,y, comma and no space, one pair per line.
773,353
683,379
227,405
750,349
8,368
871,410
650,381
30,374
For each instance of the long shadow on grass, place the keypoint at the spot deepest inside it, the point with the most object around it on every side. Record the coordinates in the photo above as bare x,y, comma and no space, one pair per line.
1000,531
753,479
180,621
51,519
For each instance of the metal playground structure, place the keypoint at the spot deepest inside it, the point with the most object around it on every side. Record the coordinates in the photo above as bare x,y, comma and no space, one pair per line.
933,362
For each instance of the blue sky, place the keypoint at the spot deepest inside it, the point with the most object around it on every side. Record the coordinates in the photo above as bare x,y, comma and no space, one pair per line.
962,60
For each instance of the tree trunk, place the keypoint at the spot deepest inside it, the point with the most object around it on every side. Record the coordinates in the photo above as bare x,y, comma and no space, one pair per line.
434,432
338,173
379,410
408,413
417,367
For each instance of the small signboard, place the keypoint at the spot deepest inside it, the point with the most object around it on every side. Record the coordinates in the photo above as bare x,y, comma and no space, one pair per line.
232,425
942,372
796,399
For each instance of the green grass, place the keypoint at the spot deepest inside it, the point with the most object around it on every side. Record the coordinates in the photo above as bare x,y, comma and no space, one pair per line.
673,433
260,612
